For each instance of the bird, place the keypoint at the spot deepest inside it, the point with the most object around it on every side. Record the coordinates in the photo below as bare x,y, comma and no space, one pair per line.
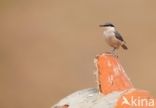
113,37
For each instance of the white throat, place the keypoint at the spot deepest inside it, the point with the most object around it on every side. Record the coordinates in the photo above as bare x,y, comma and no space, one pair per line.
109,31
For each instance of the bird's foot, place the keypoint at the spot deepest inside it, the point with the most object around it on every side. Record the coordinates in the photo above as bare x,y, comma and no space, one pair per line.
112,51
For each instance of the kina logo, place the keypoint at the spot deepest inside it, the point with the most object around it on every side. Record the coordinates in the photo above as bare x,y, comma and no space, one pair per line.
138,102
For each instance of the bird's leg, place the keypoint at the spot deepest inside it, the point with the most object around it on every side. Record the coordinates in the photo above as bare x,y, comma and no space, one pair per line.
113,52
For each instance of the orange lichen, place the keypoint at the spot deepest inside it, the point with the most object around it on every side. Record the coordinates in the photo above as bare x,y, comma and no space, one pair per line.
111,75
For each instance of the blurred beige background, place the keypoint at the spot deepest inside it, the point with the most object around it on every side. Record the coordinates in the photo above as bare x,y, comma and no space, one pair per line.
47,47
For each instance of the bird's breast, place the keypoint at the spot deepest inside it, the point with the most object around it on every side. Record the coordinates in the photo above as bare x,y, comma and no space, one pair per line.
111,39
108,34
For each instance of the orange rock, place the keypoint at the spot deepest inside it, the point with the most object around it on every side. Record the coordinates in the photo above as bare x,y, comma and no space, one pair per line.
111,75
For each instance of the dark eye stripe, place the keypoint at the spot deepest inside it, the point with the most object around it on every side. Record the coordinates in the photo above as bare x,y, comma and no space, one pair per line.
106,25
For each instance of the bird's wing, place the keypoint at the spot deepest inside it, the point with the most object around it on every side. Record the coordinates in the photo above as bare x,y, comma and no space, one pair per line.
118,36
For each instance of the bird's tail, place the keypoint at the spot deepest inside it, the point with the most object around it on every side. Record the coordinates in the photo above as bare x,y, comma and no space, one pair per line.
124,46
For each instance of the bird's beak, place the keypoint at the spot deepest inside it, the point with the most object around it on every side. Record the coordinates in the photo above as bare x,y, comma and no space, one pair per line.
101,25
